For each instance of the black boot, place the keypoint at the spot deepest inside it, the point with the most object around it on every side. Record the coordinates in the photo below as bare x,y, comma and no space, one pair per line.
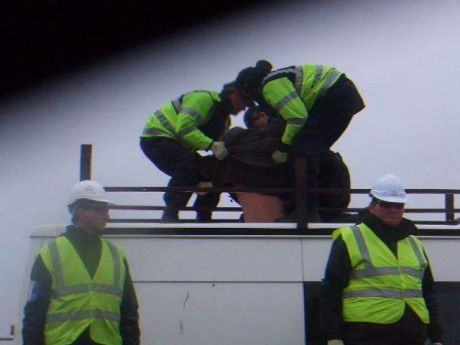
204,204
170,215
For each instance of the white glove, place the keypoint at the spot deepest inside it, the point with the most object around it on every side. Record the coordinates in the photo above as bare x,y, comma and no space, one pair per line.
437,343
279,157
203,184
219,150
335,342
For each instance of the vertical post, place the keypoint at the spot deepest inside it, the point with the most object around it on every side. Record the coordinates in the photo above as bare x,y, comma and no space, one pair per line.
449,203
301,192
85,162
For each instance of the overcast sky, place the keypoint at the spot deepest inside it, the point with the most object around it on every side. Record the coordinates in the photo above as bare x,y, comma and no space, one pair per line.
402,55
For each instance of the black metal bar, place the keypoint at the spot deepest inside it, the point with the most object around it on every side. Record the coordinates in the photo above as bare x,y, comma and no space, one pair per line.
300,193
196,189
85,162
151,220
449,203
271,190
161,208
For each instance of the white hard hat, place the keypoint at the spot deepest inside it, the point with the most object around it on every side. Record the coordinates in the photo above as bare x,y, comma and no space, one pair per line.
389,188
90,190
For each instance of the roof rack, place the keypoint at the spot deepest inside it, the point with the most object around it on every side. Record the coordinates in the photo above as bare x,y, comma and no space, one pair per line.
445,209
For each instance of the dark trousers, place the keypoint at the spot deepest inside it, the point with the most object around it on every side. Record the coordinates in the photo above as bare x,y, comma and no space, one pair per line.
327,120
409,330
182,166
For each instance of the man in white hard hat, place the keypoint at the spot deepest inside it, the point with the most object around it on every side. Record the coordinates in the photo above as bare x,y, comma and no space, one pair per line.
378,284
81,290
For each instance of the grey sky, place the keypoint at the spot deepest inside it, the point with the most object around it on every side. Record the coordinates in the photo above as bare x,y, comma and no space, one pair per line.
403,55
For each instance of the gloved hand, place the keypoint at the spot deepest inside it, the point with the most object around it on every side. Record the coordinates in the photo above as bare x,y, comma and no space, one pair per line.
219,150
279,157
335,342
204,184
437,343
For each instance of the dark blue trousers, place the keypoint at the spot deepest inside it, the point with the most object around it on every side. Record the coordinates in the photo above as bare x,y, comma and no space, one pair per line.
182,166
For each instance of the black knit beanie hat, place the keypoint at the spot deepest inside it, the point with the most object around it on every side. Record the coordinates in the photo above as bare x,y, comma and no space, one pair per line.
250,78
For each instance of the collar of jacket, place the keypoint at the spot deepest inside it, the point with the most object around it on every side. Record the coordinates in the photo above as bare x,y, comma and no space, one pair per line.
75,233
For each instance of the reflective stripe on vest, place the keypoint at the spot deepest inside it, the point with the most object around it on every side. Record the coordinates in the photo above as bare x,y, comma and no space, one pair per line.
192,112
187,130
63,290
330,80
298,76
373,271
82,315
164,121
383,293
285,100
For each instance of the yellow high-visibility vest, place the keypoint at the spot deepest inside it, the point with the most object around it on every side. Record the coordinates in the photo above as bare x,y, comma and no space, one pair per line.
79,301
381,284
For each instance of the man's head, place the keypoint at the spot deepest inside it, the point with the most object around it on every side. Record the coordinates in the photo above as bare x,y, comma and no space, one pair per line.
89,206
255,117
234,99
388,199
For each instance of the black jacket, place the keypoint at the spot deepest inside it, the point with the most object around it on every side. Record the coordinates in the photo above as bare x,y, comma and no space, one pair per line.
337,278
88,246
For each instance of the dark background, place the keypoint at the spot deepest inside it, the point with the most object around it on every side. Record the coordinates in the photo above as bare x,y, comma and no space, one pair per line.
44,39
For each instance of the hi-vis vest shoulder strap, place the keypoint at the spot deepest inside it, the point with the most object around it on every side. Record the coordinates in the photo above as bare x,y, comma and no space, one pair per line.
382,284
79,301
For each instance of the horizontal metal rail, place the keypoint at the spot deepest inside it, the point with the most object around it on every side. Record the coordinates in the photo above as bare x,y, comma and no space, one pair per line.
299,193
448,209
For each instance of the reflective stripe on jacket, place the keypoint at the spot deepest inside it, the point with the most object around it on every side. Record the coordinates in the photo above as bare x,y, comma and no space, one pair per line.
381,284
79,301
180,119
292,92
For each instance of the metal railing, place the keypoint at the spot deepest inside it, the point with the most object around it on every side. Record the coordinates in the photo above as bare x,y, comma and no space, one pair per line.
447,210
